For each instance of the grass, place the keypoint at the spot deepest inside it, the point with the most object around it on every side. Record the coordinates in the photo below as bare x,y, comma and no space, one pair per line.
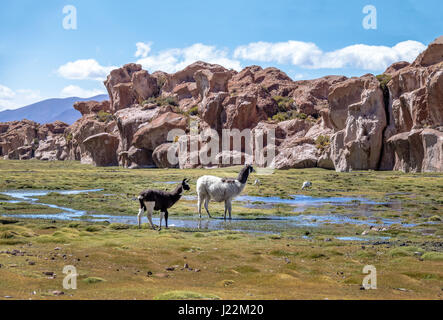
230,264
185,295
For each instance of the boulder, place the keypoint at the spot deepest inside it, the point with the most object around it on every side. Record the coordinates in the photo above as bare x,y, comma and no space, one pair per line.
241,113
55,128
211,108
160,155
156,132
130,120
82,129
311,96
432,55
52,149
92,107
346,93
136,158
396,66
298,157
418,151
130,85
101,150
145,86
187,74
17,134
358,145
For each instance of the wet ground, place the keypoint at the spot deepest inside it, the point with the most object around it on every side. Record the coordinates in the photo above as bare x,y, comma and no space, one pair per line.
358,212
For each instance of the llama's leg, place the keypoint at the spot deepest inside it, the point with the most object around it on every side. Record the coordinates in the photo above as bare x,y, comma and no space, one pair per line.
200,202
150,208
161,219
140,212
207,207
226,207
230,209
166,218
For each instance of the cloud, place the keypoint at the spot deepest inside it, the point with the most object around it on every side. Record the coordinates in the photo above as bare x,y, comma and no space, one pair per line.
143,49
6,93
75,91
88,69
10,99
175,59
290,52
310,56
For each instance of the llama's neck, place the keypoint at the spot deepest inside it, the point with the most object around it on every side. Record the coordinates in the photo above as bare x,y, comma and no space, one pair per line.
177,193
243,175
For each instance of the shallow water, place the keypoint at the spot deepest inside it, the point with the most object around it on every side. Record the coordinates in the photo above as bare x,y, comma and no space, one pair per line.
259,224
29,196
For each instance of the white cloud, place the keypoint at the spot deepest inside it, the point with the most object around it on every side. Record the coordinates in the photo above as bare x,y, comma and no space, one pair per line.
75,91
173,60
143,49
10,99
290,52
310,56
6,93
88,69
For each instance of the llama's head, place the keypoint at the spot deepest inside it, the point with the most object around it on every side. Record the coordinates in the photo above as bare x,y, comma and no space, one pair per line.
185,185
250,168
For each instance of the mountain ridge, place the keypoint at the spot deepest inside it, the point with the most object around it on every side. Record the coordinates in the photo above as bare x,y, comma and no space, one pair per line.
49,110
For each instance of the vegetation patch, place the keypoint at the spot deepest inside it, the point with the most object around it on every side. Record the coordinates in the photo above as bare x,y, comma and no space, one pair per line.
93,280
433,256
185,295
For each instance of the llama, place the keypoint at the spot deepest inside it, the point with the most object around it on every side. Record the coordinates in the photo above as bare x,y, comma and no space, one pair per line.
306,184
221,189
157,200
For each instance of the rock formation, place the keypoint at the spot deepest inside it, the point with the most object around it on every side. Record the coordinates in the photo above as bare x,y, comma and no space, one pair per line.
390,122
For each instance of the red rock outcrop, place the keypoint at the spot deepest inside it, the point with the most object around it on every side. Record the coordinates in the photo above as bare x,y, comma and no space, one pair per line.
160,155
18,134
415,103
101,150
418,151
92,107
130,85
393,121
156,132
357,112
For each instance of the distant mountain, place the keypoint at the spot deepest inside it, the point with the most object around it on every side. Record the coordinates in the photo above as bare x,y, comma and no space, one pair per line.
48,111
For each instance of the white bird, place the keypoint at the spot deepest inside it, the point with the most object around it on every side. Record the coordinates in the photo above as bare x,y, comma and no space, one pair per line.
257,182
306,184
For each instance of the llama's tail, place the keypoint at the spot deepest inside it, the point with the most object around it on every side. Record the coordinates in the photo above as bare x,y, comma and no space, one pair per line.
142,203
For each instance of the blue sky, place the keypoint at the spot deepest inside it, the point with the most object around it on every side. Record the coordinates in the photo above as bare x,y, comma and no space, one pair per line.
306,39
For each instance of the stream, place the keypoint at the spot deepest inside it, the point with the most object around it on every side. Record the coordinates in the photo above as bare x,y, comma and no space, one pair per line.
263,224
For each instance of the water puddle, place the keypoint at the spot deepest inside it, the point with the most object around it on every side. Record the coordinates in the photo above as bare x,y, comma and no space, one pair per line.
32,197
363,239
256,224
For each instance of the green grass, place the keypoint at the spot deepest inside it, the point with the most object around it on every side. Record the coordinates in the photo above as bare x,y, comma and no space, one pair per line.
185,295
273,265
433,256
93,280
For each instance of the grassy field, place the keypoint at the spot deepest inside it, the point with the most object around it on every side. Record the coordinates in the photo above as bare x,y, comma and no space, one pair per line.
116,261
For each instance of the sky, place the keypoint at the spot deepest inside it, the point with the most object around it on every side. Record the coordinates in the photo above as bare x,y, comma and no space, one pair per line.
49,52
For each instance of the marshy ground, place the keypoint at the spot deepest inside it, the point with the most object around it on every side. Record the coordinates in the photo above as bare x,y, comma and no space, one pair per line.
285,243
